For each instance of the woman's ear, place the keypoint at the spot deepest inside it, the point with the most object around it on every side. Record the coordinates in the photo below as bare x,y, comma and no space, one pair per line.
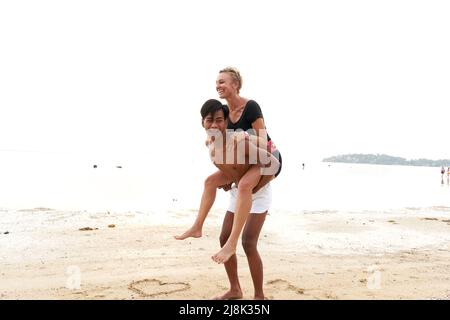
236,85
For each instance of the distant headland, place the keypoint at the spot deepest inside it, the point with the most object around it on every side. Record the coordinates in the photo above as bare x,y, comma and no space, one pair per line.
386,160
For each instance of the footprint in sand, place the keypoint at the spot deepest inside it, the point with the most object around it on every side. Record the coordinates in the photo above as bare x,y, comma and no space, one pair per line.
154,287
283,285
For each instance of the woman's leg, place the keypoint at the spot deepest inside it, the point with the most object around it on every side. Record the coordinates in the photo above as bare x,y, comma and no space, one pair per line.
250,237
243,206
235,291
214,181
262,182
265,178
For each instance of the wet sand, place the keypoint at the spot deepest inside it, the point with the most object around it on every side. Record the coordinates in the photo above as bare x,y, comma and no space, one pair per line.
309,255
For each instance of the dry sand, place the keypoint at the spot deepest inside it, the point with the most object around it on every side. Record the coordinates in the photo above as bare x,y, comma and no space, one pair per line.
312,255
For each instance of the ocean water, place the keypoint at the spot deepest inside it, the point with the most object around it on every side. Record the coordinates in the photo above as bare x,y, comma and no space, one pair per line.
356,187
147,184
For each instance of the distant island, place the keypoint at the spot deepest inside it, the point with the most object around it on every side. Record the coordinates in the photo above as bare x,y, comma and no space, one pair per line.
386,160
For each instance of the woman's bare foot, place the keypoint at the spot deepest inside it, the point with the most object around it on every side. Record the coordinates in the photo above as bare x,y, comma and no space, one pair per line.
230,295
224,254
193,232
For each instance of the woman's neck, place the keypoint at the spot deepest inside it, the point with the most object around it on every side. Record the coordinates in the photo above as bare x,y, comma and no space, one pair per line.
236,102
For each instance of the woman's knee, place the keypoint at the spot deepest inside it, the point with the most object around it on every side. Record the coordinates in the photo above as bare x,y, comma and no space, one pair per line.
211,182
249,180
245,185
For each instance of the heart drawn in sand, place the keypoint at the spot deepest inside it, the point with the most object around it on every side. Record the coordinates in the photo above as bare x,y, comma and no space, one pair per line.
155,287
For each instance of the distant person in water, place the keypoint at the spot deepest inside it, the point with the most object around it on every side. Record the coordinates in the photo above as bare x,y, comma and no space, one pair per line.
448,175
442,174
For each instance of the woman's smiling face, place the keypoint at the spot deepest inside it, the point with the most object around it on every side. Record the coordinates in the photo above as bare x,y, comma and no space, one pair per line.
226,85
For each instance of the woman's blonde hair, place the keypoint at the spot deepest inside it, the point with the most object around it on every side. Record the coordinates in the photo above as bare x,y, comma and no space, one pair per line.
234,73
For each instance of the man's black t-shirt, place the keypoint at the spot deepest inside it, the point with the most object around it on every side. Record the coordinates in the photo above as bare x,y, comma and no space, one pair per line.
251,112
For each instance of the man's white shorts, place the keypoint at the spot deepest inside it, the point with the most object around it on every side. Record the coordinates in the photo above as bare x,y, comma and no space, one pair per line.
261,200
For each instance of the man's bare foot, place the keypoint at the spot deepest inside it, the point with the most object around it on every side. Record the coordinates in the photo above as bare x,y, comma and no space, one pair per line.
259,298
230,295
224,254
191,232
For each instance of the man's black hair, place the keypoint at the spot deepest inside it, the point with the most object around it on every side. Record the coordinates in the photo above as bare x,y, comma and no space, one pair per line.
211,106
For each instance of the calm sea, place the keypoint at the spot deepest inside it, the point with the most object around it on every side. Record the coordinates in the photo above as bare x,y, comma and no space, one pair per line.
68,182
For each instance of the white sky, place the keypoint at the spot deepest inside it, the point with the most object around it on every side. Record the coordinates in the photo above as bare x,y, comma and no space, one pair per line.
129,77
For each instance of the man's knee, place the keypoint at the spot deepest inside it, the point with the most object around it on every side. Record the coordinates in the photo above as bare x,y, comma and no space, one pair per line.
223,238
249,244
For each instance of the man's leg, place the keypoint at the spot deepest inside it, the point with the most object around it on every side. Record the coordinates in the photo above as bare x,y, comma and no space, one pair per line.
235,291
250,238
214,181
243,206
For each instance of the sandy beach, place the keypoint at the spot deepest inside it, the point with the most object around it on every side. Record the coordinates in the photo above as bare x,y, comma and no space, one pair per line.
308,255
